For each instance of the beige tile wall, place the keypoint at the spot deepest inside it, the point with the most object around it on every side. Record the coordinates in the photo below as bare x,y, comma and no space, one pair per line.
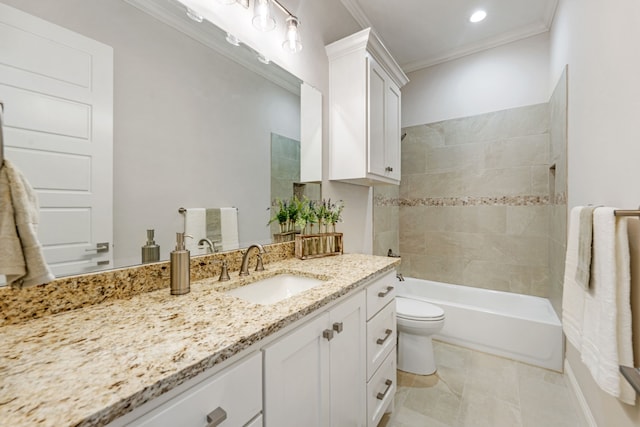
475,205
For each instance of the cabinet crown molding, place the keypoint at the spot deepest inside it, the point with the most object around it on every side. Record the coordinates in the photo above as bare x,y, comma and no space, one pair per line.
368,41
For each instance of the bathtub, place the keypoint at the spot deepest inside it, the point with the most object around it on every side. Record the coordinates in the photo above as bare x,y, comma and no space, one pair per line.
520,327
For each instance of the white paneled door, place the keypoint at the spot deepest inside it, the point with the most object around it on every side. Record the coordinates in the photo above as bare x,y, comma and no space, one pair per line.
57,90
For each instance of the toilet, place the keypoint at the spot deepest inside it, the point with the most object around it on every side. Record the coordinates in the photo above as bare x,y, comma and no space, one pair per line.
417,321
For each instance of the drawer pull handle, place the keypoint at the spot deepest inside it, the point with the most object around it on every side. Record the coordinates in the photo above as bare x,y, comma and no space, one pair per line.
216,417
388,169
385,293
328,334
381,341
338,327
380,396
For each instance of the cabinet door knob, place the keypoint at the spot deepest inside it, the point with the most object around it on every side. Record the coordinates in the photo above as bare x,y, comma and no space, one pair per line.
388,169
215,417
338,327
328,334
385,293
381,341
380,396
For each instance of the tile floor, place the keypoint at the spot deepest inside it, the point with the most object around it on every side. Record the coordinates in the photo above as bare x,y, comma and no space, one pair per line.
474,389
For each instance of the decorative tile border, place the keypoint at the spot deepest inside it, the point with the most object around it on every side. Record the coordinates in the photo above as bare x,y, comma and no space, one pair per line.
382,201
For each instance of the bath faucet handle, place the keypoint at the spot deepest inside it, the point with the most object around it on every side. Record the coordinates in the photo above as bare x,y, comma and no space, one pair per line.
259,265
224,272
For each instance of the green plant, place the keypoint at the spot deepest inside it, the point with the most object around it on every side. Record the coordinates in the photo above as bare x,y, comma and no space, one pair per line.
282,214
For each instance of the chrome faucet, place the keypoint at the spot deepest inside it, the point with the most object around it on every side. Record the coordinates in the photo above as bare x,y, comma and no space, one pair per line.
400,277
244,268
211,248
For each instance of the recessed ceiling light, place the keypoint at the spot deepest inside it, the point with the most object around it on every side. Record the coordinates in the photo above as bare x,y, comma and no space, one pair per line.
478,16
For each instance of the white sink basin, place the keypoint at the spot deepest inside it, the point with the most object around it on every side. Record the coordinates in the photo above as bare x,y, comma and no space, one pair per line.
273,289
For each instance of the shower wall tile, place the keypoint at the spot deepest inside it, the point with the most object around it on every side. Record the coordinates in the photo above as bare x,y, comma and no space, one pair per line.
475,203
500,276
529,120
540,179
518,151
528,220
453,158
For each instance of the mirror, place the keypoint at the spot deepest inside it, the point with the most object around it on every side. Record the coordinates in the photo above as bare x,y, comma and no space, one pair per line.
192,126
285,179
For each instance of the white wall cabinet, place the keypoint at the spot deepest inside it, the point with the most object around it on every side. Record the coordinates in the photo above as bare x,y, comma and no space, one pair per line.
364,105
315,375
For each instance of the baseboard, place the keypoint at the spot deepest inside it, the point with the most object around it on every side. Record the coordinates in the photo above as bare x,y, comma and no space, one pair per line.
587,417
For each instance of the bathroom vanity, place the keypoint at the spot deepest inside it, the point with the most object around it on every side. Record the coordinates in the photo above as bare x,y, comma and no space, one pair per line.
321,357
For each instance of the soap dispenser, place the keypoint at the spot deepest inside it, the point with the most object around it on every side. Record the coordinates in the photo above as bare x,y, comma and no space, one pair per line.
150,251
180,260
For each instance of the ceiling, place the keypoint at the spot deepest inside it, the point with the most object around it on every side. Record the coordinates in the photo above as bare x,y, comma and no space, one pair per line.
421,33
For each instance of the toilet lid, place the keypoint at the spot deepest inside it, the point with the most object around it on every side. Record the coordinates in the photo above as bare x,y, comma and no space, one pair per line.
409,308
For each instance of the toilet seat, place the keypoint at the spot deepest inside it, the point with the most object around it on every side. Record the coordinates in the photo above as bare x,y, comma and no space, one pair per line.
413,309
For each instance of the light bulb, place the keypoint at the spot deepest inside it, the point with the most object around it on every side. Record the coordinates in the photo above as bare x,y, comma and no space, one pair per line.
478,16
262,18
292,43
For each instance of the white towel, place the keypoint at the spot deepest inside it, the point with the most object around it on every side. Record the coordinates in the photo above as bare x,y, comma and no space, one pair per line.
229,228
573,293
606,333
21,258
195,225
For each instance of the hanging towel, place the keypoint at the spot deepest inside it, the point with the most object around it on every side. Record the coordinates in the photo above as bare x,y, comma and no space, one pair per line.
606,334
585,245
21,258
573,294
229,228
195,225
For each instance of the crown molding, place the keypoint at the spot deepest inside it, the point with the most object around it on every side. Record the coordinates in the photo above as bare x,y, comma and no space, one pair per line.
489,43
357,13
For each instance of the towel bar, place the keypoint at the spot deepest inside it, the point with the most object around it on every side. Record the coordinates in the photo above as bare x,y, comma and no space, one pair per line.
619,212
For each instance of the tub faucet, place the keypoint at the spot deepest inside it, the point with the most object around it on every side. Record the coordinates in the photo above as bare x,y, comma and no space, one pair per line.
244,268
400,277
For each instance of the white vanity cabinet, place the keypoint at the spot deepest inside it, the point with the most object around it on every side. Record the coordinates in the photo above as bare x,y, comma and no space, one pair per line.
364,106
232,397
381,347
315,375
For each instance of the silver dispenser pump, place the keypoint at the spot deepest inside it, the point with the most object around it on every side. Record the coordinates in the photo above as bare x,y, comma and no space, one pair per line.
180,267
150,251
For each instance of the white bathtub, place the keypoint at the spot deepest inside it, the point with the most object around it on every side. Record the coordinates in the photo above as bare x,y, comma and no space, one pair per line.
520,327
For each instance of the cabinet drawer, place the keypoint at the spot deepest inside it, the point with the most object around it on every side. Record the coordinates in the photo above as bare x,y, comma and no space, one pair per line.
380,293
381,390
237,391
381,337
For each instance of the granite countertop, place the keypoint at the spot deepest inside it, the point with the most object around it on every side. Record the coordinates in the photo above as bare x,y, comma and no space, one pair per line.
92,365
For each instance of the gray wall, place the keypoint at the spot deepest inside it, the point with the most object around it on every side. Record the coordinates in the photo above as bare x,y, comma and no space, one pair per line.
191,128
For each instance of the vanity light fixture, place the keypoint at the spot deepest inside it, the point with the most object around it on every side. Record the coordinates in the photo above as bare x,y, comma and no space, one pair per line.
477,16
262,17
194,16
264,21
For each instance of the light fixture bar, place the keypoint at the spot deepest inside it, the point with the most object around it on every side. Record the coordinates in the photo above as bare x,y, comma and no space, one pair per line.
284,9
